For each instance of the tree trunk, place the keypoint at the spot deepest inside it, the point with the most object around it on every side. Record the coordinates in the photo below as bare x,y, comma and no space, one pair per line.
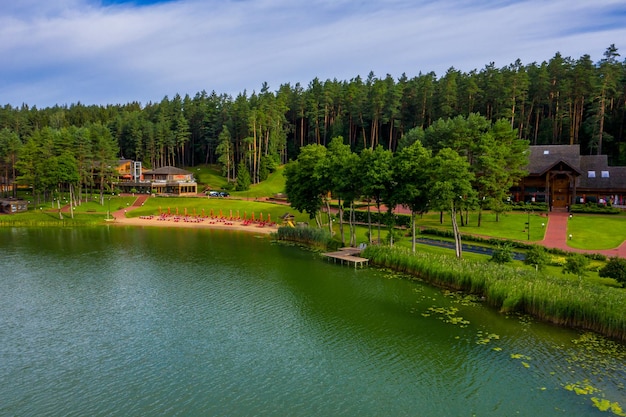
369,223
343,240
378,209
59,208
352,226
330,219
457,235
413,231
71,201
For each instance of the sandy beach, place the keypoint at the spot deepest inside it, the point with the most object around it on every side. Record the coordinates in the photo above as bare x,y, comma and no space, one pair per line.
192,223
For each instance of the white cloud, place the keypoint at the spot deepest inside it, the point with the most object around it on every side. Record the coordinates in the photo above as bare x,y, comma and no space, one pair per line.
72,50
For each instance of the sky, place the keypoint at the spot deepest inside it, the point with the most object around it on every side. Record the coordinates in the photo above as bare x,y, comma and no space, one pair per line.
120,51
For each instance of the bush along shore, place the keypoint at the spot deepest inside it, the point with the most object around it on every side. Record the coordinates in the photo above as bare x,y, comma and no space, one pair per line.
559,300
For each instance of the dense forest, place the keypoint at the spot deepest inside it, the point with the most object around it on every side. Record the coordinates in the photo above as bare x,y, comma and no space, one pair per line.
561,101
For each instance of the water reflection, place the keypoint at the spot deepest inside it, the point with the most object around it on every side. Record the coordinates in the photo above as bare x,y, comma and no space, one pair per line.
114,321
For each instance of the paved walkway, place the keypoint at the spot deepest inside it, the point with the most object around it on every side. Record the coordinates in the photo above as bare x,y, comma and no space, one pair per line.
556,236
141,198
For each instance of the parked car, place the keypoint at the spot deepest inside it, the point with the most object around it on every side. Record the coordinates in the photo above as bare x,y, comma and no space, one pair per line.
214,194
224,194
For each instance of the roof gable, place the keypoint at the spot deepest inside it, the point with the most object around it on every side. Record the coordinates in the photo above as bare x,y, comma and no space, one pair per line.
167,170
542,158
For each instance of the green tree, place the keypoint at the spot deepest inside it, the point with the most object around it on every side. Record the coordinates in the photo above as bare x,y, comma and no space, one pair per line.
306,181
450,187
104,148
615,268
376,174
10,145
537,256
576,264
411,174
502,254
339,161
243,177
609,74
225,153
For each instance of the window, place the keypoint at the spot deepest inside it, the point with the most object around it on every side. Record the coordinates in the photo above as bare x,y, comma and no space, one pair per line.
591,174
546,152
605,174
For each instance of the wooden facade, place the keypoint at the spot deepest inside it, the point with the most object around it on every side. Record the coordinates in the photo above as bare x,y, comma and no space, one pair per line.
164,180
13,205
559,176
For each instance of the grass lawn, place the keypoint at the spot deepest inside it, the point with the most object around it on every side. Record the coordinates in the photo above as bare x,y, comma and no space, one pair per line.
510,226
211,176
596,231
208,176
117,203
274,184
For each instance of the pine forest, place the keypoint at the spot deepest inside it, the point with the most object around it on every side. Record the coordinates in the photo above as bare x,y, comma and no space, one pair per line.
560,101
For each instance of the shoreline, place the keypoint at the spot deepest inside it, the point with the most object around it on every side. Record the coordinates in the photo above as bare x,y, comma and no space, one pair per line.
236,225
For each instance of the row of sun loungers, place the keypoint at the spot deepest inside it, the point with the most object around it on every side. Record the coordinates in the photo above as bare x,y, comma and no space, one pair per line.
211,220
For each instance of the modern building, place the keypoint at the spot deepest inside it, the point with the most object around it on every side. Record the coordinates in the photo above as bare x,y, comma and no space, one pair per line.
560,176
165,180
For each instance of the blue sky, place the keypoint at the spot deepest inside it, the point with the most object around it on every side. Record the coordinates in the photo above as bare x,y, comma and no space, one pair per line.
115,51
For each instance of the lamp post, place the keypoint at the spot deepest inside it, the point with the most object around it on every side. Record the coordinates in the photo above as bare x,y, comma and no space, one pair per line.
528,211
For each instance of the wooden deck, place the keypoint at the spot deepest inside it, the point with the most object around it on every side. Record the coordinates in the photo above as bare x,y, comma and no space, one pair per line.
348,255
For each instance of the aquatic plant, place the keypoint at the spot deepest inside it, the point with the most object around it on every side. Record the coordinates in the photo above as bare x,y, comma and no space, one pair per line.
555,299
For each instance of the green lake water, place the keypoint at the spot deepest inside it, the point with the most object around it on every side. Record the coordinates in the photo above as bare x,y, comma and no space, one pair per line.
175,322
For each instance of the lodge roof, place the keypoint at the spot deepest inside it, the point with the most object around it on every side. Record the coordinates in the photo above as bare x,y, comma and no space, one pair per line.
544,157
167,170
594,172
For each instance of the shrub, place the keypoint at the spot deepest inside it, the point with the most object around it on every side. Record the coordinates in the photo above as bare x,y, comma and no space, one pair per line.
615,268
594,208
537,256
502,254
576,264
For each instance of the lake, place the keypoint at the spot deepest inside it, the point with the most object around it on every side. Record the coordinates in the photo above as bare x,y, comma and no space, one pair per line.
117,321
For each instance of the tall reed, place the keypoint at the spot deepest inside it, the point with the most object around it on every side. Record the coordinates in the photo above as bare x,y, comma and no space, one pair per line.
554,299
311,236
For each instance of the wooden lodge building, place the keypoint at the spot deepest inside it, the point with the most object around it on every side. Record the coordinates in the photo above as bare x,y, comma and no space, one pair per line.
560,176
165,180
12,206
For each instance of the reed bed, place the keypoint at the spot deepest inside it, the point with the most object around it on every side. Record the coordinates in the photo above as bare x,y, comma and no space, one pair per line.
558,300
310,236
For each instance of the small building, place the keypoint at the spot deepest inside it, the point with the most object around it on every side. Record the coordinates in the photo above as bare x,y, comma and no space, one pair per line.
560,176
13,205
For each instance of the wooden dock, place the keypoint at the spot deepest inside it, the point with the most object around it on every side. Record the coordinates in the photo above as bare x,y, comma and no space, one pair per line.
348,255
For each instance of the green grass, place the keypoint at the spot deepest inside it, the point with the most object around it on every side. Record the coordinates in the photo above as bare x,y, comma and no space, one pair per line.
596,231
208,176
510,226
274,184
211,176
46,218
117,203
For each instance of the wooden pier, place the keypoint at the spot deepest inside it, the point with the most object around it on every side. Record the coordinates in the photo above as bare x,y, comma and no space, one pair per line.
348,255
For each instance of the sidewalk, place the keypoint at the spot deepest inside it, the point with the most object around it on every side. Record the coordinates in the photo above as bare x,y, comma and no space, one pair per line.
556,237
121,213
